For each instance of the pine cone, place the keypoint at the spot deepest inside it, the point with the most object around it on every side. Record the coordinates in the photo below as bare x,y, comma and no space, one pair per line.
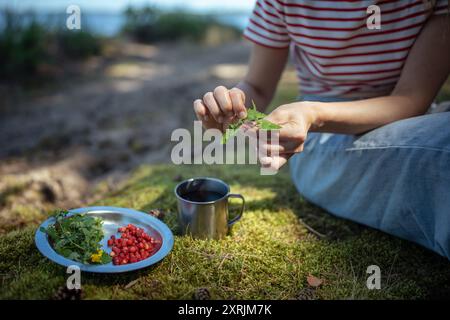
157,213
202,294
63,293
307,294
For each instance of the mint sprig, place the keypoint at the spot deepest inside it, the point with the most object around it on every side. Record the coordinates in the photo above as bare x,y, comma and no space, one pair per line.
254,116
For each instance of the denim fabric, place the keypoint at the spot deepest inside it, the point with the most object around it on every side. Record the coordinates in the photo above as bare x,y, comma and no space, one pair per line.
395,178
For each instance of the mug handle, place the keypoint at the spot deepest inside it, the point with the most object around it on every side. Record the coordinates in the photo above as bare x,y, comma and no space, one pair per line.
239,216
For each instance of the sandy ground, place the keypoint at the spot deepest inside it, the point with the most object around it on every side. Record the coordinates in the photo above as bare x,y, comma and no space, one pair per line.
118,111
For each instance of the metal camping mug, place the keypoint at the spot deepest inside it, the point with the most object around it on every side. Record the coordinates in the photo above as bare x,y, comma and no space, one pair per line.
207,218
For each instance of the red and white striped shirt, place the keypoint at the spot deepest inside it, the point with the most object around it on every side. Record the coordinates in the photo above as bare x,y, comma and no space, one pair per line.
334,51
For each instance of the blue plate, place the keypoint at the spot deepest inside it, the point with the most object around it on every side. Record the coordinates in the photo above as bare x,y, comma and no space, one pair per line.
113,218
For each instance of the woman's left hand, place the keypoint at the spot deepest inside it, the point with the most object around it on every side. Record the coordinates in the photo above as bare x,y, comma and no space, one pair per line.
295,120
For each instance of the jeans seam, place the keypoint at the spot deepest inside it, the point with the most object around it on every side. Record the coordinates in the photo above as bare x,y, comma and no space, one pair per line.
399,147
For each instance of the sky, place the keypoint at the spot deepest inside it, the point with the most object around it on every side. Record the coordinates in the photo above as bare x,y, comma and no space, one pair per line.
120,5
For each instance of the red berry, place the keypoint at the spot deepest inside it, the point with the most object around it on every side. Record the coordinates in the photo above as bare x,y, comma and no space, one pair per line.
133,249
110,242
112,254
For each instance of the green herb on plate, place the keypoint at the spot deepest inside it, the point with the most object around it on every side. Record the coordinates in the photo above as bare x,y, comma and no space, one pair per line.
254,116
77,238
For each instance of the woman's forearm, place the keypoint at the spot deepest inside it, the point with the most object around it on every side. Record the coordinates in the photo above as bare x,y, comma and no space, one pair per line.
264,72
260,97
424,72
355,117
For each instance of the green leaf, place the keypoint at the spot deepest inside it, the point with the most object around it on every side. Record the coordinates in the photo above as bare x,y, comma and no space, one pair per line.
252,115
229,133
267,125
105,258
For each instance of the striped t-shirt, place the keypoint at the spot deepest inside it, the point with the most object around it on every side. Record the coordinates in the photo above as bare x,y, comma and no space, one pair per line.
334,51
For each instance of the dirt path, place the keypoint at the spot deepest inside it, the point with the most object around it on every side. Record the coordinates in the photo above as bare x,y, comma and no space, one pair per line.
58,144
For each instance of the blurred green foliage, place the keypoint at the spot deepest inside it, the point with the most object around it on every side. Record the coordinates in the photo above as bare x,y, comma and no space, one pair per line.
26,44
21,45
78,44
152,25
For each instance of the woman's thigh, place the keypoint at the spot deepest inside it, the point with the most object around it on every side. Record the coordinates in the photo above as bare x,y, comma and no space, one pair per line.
395,178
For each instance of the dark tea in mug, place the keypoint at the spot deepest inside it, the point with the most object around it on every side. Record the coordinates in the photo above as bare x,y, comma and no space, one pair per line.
202,196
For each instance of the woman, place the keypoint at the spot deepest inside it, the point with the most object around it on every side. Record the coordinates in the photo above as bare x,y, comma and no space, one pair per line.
360,142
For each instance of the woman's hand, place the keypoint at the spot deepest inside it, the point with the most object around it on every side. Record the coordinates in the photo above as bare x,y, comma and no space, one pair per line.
296,119
221,107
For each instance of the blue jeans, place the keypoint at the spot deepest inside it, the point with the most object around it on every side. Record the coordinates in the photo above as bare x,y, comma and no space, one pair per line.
395,178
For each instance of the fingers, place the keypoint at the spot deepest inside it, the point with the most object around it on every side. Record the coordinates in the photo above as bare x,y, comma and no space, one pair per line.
274,154
210,102
274,163
282,147
221,107
203,114
223,99
200,110
271,149
237,97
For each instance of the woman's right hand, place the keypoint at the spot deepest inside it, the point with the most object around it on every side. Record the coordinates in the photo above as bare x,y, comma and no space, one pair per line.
221,107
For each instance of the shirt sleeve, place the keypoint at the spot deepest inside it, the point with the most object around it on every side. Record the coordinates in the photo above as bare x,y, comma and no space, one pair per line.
266,25
441,7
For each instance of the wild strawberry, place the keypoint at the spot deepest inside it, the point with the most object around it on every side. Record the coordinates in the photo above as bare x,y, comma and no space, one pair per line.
116,250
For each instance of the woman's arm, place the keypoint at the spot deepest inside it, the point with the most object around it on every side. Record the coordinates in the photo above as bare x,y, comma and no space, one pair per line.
264,71
425,70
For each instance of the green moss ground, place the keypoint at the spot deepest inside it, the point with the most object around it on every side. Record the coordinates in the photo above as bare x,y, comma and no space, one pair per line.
268,254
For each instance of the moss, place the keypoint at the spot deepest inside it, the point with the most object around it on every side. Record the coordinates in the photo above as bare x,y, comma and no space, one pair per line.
268,254
444,93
